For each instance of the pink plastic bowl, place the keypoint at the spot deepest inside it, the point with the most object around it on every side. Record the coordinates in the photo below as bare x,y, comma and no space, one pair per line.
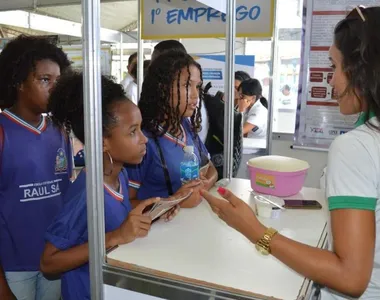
281,184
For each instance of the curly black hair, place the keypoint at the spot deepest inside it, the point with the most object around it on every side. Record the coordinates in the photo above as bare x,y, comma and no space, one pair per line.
158,86
19,58
66,104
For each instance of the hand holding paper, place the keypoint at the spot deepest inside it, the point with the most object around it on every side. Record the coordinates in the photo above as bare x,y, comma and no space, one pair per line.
164,205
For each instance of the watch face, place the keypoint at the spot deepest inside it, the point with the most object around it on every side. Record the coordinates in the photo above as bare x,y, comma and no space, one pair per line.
262,250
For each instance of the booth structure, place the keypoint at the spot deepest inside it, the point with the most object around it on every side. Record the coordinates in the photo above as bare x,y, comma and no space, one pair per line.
196,256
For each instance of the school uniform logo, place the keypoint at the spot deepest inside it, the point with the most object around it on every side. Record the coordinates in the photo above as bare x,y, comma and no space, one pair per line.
61,162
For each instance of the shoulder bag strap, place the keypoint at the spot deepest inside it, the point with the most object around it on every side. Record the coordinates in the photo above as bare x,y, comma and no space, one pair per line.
165,168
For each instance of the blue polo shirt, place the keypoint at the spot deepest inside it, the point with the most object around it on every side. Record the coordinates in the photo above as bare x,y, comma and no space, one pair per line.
148,177
35,171
69,229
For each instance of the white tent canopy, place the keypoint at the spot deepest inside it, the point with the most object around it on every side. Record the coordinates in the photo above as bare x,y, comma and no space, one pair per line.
64,17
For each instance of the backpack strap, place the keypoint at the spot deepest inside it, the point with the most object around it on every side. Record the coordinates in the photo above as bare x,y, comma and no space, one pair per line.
1,144
164,168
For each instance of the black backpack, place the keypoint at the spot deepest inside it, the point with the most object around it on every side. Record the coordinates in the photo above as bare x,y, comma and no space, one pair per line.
215,137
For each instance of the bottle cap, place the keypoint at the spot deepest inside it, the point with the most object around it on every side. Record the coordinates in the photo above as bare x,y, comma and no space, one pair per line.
189,149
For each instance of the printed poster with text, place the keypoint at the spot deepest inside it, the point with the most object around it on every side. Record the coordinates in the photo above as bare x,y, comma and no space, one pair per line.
319,121
213,69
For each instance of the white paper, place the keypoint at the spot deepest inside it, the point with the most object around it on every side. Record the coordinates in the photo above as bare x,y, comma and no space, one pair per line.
164,206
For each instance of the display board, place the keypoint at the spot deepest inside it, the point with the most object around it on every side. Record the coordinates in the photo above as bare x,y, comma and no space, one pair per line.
75,55
174,19
213,68
319,120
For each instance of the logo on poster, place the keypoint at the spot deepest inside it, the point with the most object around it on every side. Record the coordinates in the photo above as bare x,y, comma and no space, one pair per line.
343,131
333,132
316,130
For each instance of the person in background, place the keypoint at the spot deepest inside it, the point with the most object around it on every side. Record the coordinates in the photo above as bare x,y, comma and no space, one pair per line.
254,108
350,267
66,250
131,90
35,164
165,46
286,97
240,76
214,141
170,106
132,61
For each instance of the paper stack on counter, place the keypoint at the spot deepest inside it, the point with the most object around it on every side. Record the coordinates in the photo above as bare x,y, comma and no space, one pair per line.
164,206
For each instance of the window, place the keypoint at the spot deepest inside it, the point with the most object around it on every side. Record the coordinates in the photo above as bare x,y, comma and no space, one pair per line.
287,66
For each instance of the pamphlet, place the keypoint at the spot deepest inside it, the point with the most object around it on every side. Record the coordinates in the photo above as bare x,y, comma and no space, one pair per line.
164,206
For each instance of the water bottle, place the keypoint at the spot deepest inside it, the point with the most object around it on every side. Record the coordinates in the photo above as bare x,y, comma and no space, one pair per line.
189,167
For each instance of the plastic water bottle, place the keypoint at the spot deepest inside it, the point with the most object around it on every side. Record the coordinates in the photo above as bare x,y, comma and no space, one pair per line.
189,167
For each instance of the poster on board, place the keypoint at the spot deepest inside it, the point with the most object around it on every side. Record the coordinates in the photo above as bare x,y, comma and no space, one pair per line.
166,19
319,120
75,55
213,68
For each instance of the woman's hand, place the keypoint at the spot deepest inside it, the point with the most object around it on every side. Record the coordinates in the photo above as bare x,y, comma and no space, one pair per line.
195,198
207,183
235,212
137,224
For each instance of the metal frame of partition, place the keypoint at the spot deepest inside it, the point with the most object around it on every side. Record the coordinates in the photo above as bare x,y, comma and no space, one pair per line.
100,272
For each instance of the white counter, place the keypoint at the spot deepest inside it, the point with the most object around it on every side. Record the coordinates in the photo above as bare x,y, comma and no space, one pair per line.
197,247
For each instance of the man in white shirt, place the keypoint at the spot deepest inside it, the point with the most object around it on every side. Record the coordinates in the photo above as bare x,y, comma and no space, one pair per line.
132,60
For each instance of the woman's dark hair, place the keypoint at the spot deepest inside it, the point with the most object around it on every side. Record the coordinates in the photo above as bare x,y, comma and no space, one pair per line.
166,46
242,76
252,87
18,59
66,103
158,86
358,40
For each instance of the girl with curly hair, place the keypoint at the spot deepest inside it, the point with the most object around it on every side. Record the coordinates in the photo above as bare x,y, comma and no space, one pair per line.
170,105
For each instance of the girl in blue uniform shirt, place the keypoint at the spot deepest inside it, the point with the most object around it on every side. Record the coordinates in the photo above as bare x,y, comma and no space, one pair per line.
171,117
35,164
66,250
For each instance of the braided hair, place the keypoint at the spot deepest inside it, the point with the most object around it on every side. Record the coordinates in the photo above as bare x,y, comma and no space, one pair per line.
18,59
157,90
66,104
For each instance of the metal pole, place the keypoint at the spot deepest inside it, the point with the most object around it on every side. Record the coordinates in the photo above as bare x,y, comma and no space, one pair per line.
274,56
121,56
229,89
93,142
140,49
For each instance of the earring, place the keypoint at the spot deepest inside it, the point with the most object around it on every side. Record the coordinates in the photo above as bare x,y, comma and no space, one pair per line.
111,162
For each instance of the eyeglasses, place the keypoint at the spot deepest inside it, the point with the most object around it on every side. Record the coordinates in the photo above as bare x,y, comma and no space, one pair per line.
358,11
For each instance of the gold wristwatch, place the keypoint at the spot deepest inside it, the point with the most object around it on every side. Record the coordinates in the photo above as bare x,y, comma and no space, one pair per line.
263,244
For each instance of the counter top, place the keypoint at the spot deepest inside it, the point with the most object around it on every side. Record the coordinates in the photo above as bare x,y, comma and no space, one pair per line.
197,247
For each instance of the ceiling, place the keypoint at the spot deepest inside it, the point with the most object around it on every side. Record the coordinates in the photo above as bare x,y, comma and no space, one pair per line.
113,15
118,15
